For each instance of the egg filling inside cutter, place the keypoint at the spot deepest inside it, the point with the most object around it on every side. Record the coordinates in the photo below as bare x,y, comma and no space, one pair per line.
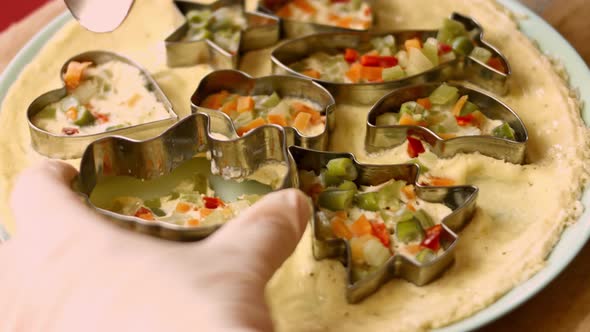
461,68
62,146
380,137
158,157
293,28
461,200
261,31
285,86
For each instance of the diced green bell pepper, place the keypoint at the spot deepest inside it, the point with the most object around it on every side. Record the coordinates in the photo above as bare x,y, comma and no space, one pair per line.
468,108
272,101
424,218
504,131
336,200
411,108
481,54
409,230
158,212
343,168
462,45
425,255
444,94
153,203
367,201
393,73
85,118
450,30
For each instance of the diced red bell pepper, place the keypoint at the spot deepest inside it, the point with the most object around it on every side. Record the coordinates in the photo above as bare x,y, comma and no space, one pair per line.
466,120
415,147
378,61
350,55
432,238
70,131
497,64
101,117
380,232
212,202
444,48
144,213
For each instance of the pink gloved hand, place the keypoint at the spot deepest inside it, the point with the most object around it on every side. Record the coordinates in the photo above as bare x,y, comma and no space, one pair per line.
69,269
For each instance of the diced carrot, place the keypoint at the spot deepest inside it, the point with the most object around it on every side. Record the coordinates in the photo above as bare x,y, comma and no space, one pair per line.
193,222
245,104
284,11
340,229
229,107
253,124
302,108
205,211
144,213
74,73
371,74
344,22
354,73
459,105
361,226
72,113
410,207
408,120
301,121
447,135
441,182
305,6
215,101
133,99
413,43
424,102
409,191
183,207
311,73
277,119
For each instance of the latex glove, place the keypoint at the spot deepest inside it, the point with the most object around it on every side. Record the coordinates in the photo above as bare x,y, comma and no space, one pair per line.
69,269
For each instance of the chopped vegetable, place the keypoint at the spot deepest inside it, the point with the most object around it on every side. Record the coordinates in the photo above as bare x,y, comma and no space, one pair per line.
432,238
409,231
504,131
74,73
415,147
361,226
336,200
342,168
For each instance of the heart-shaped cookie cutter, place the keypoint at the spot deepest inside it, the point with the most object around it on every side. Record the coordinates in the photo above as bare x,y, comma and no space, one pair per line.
238,82
68,147
189,138
291,28
262,31
462,68
384,137
460,199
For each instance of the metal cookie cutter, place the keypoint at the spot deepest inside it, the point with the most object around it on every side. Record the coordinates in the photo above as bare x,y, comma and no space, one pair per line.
238,82
460,199
462,68
158,156
291,28
383,137
68,147
262,31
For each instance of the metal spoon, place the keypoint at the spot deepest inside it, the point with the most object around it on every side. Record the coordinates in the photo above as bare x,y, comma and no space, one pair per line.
99,15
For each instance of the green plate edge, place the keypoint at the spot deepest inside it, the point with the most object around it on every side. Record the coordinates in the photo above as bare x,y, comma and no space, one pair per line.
572,239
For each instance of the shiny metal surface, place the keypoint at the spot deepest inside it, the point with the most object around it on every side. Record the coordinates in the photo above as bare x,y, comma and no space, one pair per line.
262,31
99,15
235,81
462,68
460,199
189,138
383,137
294,29
68,147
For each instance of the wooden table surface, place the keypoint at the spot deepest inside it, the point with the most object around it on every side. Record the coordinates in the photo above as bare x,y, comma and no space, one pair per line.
562,306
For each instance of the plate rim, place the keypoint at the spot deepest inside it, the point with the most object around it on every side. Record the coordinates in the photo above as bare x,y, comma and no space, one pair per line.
564,251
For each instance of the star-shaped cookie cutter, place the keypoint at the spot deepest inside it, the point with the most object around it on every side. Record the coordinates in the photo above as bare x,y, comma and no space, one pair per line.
384,137
460,199
68,147
462,68
262,31
189,138
238,82
291,28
